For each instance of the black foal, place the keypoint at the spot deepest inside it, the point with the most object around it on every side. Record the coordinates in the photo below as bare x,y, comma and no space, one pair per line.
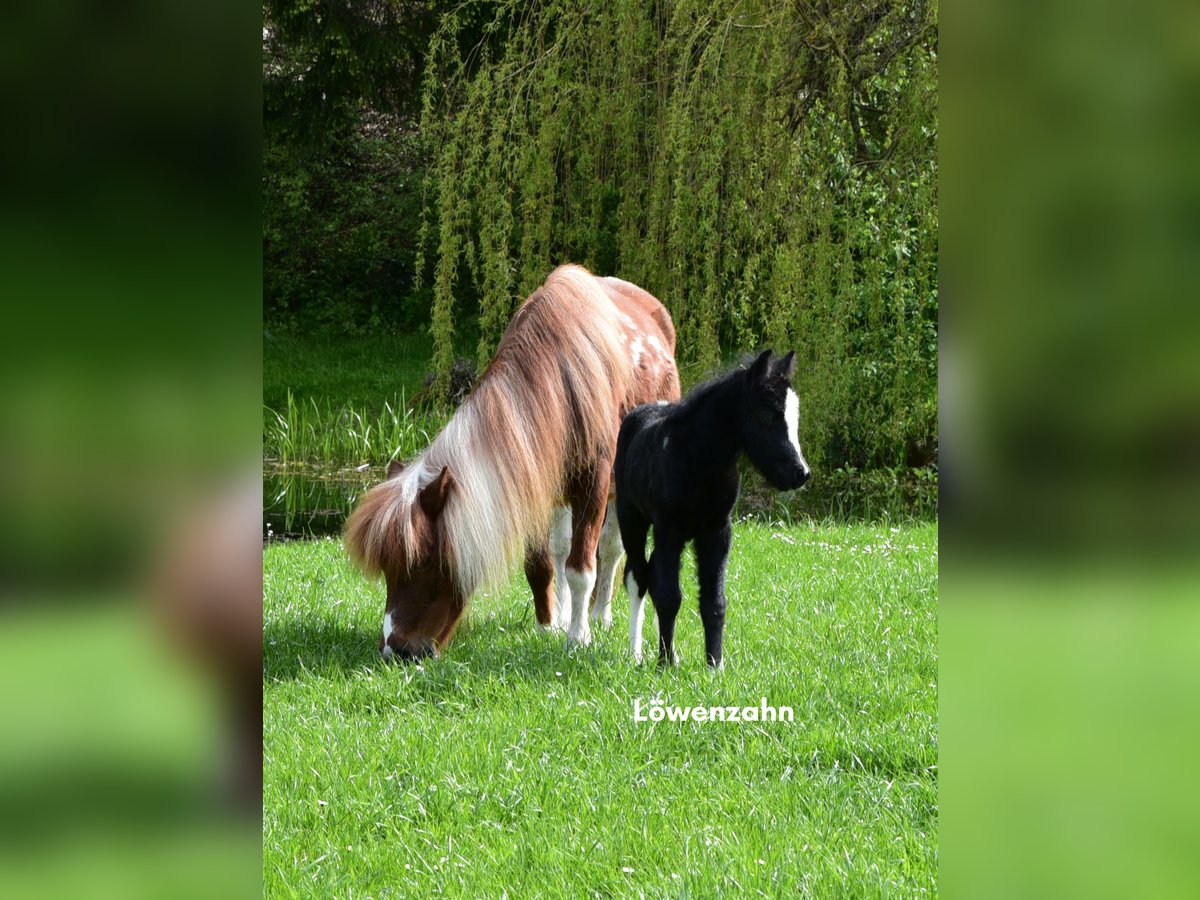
676,470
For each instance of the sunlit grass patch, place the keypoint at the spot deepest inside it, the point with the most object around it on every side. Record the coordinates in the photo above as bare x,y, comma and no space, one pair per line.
512,765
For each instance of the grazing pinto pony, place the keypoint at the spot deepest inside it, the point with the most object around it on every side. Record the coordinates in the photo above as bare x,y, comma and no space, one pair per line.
676,470
531,447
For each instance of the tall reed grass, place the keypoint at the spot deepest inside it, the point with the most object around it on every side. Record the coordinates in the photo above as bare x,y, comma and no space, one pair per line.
328,433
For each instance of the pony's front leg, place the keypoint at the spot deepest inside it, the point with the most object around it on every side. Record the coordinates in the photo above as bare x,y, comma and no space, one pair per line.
560,546
588,504
539,572
712,552
609,556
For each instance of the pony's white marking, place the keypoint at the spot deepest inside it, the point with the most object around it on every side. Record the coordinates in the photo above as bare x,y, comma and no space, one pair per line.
387,652
662,403
387,626
609,554
654,342
637,615
581,590
791,416
560,546
635,351
666,441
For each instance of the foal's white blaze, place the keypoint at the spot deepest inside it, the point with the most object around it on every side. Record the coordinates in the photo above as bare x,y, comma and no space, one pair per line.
791,415
637,615
635,351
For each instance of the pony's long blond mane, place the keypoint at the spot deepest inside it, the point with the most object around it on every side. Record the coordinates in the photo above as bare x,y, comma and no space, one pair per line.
546,404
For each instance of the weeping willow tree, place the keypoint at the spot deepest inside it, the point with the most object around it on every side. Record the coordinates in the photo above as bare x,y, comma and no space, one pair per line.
768,170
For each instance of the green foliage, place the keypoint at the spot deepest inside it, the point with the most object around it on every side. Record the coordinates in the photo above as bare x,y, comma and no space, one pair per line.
339,232
769,171
342,166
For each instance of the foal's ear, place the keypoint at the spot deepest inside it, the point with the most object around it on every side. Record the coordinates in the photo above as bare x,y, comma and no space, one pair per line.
433,495
758,369
394,468
787,366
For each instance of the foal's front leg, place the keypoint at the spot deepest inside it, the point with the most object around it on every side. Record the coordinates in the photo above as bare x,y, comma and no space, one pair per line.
664,591
712,552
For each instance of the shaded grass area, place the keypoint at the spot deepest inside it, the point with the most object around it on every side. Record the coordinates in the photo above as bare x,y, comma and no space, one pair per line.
362,372
345,401
510,764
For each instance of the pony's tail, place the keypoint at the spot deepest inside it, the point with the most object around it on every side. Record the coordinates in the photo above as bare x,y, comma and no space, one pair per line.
368,534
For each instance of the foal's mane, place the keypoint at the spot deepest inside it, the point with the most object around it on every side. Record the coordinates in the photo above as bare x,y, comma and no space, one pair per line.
697,398
543,407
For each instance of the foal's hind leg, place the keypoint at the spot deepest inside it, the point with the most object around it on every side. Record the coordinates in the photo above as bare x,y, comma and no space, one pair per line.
664,591
609,555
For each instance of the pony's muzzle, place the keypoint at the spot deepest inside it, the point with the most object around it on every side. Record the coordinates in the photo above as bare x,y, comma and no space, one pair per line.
408,651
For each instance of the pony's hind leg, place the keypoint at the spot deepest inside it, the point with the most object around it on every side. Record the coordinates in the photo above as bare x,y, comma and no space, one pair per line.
589,501
609,556
560,546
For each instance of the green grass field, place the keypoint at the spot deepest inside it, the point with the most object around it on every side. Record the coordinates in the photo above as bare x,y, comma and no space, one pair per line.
510,766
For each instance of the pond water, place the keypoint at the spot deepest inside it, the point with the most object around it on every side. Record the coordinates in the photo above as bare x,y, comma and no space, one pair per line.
305,501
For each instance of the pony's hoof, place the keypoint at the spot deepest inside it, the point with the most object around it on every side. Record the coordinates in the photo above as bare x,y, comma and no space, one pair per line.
579,639
603,620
